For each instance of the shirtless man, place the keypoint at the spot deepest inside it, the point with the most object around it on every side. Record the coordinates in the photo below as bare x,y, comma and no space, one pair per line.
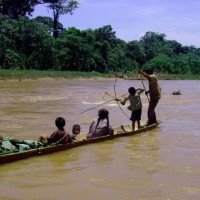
154,93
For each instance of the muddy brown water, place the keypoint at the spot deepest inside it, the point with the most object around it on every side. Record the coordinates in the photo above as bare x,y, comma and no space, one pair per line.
162,164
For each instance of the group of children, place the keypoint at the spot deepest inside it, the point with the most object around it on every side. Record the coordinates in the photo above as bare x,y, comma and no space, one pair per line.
60,136
98,128
101,126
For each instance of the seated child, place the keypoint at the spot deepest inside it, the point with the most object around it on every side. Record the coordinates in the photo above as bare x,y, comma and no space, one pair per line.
101,126
76,129
60,136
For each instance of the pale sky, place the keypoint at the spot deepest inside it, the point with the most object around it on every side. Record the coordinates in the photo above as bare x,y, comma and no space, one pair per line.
131,19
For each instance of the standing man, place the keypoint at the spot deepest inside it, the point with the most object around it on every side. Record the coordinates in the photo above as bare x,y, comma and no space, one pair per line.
154,93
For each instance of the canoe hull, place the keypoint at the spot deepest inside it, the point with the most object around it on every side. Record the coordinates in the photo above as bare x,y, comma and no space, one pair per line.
7,158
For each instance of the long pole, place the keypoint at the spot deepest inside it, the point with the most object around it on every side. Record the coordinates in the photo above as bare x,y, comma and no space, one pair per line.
100,104
145,89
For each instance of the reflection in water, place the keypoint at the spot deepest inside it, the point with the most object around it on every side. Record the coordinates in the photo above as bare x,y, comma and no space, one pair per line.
159,164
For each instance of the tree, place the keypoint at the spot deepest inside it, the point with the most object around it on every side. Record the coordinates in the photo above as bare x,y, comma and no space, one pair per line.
176,47
16,8
48,22
181,65
135,52
60,7
161,62
24,44
105,33
152,44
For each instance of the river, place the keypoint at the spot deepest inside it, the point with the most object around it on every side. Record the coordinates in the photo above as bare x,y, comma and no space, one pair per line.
162,164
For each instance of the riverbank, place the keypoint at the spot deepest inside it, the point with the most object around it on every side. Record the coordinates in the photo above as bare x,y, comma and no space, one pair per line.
35,74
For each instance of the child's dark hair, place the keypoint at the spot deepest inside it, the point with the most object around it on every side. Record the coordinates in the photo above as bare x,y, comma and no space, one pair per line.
103,114
132,90
60,122
75,126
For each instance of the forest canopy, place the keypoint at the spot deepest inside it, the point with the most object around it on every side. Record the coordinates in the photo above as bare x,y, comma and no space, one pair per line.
27,43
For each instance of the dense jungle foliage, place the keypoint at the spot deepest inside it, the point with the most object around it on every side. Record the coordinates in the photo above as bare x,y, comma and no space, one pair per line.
42,44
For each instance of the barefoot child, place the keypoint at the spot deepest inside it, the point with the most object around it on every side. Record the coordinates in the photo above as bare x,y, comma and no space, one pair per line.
135,105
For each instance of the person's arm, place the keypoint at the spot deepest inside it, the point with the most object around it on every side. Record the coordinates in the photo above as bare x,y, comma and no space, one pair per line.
147,76
68,138
139,90
51,137
144,74
89,134
117,99
123,101
91,125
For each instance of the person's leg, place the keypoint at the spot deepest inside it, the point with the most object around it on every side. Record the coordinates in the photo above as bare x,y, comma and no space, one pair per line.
139,118
133,125
151,112
138,123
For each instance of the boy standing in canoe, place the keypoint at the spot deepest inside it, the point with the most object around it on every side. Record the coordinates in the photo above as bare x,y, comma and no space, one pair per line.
135,105
154,93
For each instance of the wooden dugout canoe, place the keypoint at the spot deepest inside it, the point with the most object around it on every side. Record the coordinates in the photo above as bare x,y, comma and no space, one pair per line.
11,157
